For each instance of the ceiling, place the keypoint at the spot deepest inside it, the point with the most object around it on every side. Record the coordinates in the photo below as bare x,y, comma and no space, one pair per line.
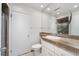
62,8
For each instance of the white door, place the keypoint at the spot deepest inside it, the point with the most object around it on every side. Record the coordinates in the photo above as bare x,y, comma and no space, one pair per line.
20,33
0,29
0,48
0,41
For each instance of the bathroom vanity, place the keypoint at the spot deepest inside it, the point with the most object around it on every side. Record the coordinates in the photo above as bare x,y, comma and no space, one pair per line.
59,44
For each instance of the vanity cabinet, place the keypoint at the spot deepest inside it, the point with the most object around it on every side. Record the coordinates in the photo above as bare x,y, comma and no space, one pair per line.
49,49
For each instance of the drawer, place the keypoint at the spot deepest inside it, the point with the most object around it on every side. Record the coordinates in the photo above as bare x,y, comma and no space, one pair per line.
62,52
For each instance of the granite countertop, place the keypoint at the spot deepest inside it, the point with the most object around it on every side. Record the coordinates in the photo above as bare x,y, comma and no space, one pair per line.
66,40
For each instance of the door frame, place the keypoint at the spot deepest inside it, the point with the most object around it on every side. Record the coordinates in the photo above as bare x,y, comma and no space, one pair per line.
6,12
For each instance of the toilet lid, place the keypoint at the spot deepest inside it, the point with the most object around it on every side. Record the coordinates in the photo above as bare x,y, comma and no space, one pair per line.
36,46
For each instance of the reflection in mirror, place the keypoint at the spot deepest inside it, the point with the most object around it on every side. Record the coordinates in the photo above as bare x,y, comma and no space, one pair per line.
62,18
62,25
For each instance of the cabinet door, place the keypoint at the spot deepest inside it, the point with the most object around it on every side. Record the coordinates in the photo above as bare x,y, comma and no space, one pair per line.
20,33
47,49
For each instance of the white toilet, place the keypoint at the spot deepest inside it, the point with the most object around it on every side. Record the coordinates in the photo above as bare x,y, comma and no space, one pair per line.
36,49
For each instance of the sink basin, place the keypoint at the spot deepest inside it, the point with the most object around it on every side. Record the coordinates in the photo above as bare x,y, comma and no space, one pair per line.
52,37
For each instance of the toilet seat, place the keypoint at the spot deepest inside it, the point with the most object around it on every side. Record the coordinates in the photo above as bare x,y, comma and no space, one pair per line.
36,46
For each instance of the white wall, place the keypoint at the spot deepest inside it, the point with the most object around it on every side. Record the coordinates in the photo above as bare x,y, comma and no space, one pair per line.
74,27
48,23
53,24
34,21
21,18
44,22
35,27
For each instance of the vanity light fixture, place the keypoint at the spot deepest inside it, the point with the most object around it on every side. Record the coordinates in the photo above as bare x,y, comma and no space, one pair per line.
42,6
48,9
75,6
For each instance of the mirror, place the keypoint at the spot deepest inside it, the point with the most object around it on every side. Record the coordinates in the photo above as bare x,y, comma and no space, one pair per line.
63,18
